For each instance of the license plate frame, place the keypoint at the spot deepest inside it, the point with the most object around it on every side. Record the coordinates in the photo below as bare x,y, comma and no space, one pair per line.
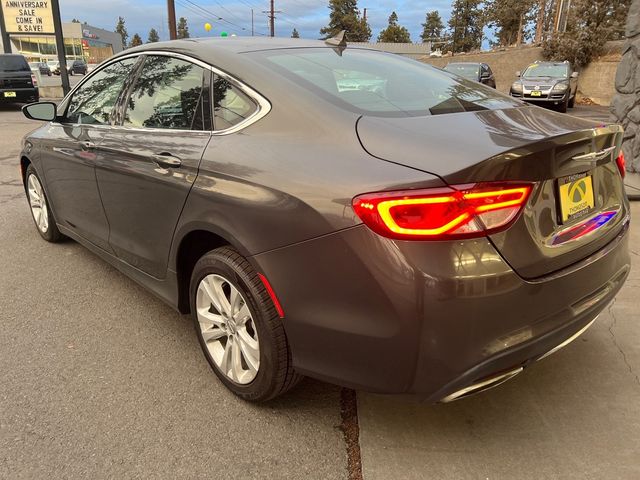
576,197
10,94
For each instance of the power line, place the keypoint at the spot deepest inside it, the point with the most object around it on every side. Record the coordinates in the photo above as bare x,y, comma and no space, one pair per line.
192,6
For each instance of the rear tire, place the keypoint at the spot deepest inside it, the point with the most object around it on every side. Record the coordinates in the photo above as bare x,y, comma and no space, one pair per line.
244,340
41,211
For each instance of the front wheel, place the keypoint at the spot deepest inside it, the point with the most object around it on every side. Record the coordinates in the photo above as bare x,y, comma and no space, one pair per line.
40,209
572,101
238,327
562,108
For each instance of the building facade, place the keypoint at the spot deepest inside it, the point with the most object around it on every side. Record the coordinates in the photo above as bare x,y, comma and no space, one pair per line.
81,42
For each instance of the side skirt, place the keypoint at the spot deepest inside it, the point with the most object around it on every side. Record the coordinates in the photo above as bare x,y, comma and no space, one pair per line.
166,289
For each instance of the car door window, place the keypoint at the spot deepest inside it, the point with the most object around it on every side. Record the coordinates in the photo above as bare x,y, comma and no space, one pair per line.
93,102
230,104
165,95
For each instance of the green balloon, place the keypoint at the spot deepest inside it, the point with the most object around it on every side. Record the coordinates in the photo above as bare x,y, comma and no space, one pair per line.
224,34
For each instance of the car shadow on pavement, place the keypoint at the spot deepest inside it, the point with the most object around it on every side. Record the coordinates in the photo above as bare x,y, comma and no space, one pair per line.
572,413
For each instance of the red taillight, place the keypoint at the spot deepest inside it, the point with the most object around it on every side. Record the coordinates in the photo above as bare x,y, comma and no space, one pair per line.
442,213
34,80
621,164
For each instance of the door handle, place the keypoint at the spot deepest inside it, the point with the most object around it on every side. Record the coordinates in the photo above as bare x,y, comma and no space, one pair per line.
165,159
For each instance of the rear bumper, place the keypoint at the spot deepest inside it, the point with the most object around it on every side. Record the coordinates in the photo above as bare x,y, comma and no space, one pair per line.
428,318
23,95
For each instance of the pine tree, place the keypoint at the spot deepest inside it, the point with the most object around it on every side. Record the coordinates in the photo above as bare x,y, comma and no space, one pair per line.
346,16
122,30
465,26
183,28
135,40
295,34
510,19
394,33
432,28
153,36
590,23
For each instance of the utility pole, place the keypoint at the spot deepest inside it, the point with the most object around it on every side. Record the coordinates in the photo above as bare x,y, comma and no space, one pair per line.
271,13
272,19
6,39
62,57
252,31
171,7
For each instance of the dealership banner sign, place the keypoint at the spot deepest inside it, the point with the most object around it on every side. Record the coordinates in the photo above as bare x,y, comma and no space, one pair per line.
28,16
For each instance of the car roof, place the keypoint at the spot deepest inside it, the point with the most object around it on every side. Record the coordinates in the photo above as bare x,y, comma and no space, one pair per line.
230,45
227,53
465,63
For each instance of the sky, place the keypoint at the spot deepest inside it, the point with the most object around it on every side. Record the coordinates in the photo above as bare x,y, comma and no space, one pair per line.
307,16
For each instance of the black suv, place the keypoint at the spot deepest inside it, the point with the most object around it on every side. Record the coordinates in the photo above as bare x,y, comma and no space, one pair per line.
78,66
17,82
478,72
551,83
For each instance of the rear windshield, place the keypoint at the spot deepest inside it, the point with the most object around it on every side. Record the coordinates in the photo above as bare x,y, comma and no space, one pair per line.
381,84
464,69
13,63
546,70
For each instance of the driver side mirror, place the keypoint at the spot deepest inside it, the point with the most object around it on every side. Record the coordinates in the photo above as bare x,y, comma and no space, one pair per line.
574,75
45,111
518,73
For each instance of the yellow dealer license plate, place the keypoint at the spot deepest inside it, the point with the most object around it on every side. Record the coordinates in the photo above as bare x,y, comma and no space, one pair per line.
576,195
536,93
9,94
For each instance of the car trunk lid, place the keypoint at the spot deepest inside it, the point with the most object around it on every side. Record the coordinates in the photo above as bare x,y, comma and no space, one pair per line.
520,144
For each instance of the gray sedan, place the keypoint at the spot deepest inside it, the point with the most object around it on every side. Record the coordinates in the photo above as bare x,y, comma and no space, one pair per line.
344,214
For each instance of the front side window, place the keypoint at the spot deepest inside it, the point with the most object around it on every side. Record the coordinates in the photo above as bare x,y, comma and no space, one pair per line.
165,95
93,101
230,105
380,84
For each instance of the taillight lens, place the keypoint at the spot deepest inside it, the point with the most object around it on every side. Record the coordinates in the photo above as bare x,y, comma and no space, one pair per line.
444,213
34,80
621,164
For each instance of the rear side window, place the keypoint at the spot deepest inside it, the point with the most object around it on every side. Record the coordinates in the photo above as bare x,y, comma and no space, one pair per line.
13,63
380,84
93,102
166,95
230,105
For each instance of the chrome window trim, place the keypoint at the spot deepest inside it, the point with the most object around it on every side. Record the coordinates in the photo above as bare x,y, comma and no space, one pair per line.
263,106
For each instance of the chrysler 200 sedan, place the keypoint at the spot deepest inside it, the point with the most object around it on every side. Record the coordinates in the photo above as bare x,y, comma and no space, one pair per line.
413,232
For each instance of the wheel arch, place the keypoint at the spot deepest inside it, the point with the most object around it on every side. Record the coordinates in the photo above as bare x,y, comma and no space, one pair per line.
24,164
192,245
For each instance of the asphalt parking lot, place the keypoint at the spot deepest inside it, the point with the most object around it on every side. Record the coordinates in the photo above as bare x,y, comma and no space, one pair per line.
99,379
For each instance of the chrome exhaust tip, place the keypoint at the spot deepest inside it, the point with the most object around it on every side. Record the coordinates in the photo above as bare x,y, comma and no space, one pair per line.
482,385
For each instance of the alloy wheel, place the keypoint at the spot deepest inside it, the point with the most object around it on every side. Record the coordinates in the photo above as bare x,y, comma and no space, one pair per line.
38,203
228,329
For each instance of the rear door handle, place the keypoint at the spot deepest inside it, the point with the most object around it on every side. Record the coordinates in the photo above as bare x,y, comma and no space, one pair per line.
165,159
